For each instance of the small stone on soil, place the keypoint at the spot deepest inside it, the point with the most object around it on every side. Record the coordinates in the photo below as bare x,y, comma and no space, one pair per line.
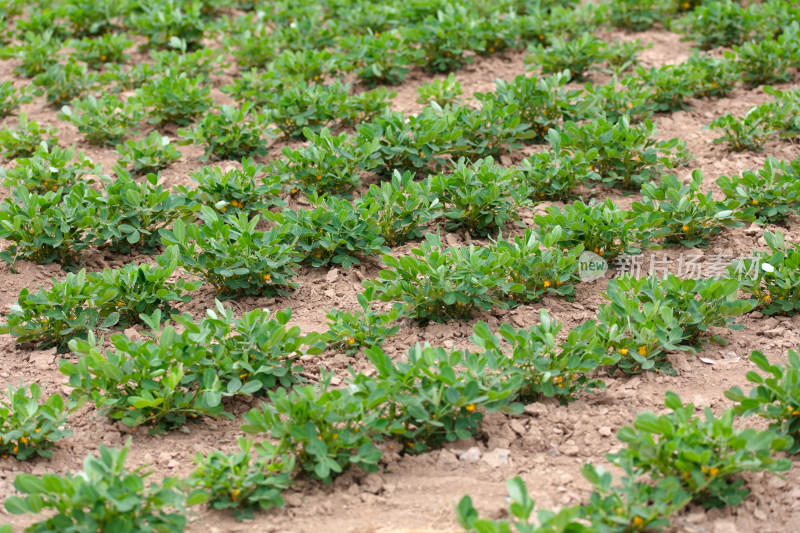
471,456
497,457
536,409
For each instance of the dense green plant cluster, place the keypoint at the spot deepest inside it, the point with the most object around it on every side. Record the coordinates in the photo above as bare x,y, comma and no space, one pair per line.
771,277
134,212
74,307
627,156
774,397
438,283
728,23
328,165
53,215
230,134
480,197
147,155
603,229
705,454
761,124
403,207
232,256
218,356
434,397
647,317
105,121
50,167
684,215
235,191
555,174
314,72
28,426
770,193
332,232
442,91
668,461
23,140
366,327
11,98
247,481
81,500
53,226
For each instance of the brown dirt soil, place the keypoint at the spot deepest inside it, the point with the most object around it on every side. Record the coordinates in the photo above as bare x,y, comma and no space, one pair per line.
546,446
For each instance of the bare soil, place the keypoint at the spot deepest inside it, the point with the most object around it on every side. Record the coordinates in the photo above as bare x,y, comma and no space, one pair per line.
546,446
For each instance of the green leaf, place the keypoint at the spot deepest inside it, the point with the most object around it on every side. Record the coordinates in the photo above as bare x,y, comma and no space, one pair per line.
212,398
673,401
111,320
648,422
197,497
16,505
29,484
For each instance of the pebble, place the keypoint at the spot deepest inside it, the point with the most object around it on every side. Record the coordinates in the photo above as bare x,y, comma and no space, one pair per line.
372,484
700,402
725,526
133,335
569,448
679,362
604,431
43,359
497,457
517,427
472,455
775,332
333,275
447,460
293,500
536,409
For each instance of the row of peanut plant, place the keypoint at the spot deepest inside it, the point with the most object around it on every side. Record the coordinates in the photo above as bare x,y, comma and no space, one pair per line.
290,93
233,254
54,215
